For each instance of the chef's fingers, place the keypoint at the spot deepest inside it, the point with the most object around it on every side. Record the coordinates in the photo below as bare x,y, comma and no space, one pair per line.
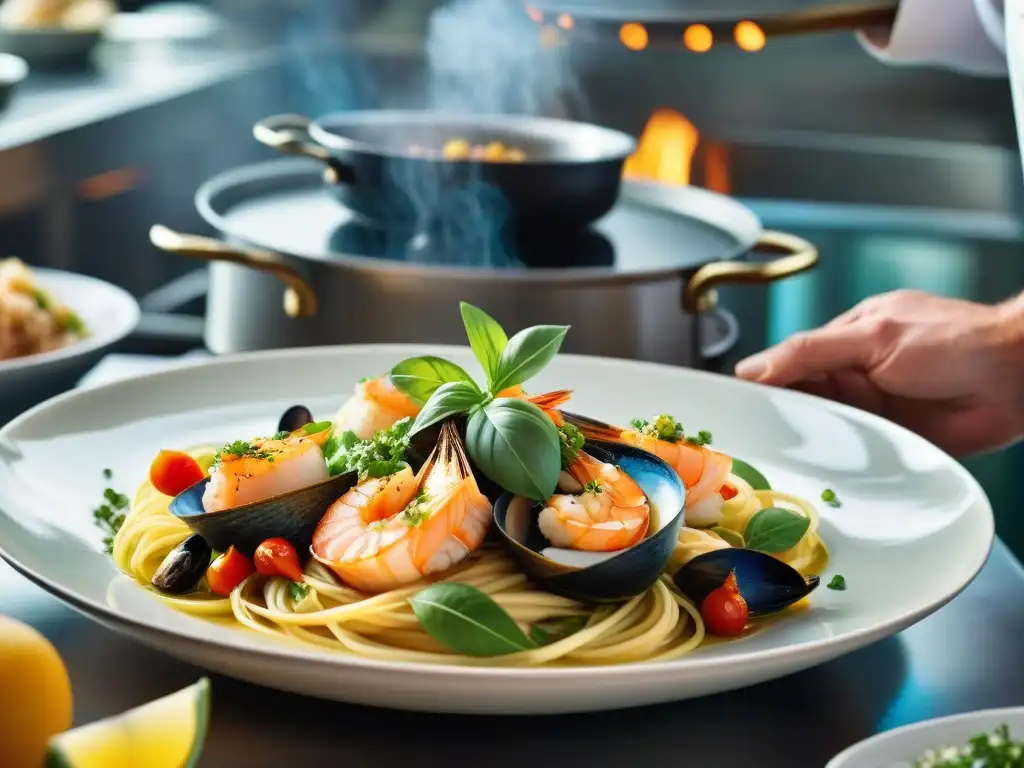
805,356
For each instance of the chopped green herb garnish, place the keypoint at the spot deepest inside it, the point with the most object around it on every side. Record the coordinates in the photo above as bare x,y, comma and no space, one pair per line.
243,449
316,427
995,750
666,427
594,486
107,474
703,438
365,379
298,591
830,498
417,511
572,441
110,515
72,323
640,425
280,435
380,456
42,300
838,583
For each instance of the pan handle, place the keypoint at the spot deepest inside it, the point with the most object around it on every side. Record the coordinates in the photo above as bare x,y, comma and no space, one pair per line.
299,297
289,134
834,18
699,294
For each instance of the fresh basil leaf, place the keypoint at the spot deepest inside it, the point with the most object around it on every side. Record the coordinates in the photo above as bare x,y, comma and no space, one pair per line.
527,353
448,400
549,632
487,339
757,481
774,530
316,427
419,377
466,621
730,537
516,446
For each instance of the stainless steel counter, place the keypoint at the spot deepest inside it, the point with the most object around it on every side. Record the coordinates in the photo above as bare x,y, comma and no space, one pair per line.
965,657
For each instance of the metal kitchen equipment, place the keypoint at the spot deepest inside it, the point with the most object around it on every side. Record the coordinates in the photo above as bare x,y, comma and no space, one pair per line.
666,25
639,284
569,178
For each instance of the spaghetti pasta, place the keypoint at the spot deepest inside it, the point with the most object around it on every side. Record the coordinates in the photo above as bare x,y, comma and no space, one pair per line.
659,624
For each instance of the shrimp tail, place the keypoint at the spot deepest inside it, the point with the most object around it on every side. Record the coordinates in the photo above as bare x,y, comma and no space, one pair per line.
593,429
551,400
449,456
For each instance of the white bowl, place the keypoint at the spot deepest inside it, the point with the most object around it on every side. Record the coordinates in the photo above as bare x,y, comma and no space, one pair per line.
109,313
899,748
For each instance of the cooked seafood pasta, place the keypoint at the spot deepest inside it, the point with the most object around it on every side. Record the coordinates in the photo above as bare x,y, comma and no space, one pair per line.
437,519
31,320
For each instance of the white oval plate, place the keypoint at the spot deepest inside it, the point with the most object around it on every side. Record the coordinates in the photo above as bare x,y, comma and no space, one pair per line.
900,747
109,313
914,528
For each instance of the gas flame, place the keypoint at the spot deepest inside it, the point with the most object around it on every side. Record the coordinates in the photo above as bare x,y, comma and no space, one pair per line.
666,152
666,149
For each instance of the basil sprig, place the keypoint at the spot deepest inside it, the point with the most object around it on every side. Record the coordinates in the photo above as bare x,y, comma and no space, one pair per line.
775,530
510,440
467,621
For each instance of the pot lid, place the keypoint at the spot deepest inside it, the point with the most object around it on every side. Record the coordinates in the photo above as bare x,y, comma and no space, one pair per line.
284,206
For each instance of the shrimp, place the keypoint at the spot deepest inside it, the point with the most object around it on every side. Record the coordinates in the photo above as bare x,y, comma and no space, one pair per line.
388,532
608,511
703,471
248,472
377,404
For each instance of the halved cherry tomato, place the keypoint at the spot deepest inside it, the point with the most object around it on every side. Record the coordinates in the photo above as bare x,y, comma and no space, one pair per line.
227,572
277,557
728,491
173,471
724,610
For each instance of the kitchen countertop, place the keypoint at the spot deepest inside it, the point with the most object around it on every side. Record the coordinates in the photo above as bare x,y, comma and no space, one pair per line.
965,657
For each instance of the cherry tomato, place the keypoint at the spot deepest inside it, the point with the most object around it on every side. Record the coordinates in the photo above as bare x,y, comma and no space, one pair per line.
728,491
724,610
173,471
227,572
277,557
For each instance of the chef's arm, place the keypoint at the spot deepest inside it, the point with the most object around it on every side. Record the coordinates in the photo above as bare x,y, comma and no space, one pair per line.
964,35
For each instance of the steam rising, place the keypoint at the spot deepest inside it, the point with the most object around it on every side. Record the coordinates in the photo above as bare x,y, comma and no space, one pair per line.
487,56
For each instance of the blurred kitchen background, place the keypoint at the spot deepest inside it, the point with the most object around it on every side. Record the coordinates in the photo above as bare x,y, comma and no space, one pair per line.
903,177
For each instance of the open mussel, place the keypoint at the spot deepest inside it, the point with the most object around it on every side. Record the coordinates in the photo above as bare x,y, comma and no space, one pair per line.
184,566
600,576
767,584
265,488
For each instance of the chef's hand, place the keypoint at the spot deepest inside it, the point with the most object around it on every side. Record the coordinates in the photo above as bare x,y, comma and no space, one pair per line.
950,370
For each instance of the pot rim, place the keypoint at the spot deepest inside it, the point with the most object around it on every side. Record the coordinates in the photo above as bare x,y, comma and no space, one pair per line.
724,213
616,145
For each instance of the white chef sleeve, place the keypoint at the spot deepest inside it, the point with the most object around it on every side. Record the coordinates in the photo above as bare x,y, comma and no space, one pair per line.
964,35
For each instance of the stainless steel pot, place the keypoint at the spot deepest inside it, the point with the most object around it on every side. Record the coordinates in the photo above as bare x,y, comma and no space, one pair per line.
657,303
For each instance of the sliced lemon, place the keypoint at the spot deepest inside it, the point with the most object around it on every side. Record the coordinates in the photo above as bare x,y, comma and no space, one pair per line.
166,733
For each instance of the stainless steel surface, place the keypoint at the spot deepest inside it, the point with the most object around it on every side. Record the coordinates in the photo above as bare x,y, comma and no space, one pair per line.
621,289
932,669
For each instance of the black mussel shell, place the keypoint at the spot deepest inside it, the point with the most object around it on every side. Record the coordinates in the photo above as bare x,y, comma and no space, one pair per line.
601,577
295,417
184,566
767,584
292,516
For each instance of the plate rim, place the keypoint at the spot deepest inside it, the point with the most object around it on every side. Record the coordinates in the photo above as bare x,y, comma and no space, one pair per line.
95,341
839,761
339,660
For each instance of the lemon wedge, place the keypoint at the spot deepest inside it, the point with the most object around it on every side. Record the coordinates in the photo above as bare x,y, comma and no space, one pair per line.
166,733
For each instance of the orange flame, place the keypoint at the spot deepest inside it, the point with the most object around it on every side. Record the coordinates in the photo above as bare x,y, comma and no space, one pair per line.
666,149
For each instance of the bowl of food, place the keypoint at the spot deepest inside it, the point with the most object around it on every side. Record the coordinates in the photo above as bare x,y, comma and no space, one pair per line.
54,326
53,34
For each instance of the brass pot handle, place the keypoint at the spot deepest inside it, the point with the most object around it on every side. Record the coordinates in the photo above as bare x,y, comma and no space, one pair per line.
699,294
834,18
299,297
289,134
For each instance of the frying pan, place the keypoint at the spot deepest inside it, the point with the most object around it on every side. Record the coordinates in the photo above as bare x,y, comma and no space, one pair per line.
665,23
570,177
